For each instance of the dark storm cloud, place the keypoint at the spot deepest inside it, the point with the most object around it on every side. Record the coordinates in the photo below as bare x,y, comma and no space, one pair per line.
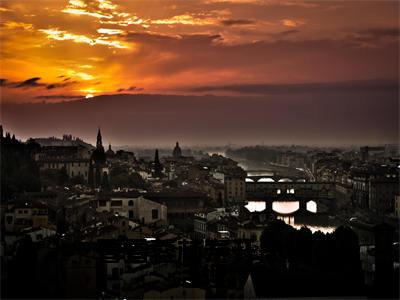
265,89
130,89
34,83
233,22
149,38
31,82
382,32
60,85
374,37
287,32
337,58
59,97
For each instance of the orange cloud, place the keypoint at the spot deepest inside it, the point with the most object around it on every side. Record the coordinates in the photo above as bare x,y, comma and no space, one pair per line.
109,31
61,35
292,23
17,25
185,19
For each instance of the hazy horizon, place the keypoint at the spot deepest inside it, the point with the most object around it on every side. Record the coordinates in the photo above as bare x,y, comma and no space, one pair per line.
215,120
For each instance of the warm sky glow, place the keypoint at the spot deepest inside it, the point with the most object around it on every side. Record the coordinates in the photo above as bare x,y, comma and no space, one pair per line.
61,47
297,71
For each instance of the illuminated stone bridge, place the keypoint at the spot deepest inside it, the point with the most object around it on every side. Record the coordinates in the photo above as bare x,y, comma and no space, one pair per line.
294,195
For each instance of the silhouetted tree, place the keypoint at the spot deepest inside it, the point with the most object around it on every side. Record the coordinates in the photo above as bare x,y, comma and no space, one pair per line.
19,172
119,177
277,239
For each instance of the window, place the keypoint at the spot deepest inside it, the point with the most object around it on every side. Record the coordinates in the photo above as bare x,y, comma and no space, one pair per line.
72,173
116,203
154,213
130,203
278,191
130,214
115,273
102,202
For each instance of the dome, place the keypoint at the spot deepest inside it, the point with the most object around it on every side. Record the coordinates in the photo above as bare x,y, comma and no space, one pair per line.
177,151
110,152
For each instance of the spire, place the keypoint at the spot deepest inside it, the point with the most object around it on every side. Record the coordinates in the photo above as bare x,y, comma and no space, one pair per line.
1,131
109,147
99,143
157,165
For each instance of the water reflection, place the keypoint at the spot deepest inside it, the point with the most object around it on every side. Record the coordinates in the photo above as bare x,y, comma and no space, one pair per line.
315,222
290,220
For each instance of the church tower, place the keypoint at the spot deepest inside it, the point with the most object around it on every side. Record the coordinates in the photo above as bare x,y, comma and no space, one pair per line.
97,163
99,142
177,151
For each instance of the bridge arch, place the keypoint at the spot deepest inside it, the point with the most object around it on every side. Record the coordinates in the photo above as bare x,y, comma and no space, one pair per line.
311,206
266,179
285,180
253,206
285,207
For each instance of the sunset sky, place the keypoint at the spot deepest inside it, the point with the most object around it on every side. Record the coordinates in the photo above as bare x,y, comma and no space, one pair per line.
62,50
59,49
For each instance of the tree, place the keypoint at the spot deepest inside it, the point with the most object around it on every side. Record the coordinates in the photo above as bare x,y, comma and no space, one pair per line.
277,239
19,172
120,177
